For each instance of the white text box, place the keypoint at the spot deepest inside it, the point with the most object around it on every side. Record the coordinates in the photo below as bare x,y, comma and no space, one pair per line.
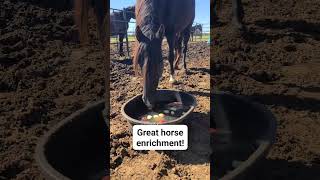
160,137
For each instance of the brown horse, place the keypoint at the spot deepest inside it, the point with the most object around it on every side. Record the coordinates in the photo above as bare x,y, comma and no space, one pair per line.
154,20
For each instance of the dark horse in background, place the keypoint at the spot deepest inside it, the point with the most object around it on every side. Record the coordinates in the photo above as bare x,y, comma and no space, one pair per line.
237,13
119,24
154,20
196,30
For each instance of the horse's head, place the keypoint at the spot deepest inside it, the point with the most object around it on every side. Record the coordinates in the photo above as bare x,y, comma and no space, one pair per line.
130,12
148,59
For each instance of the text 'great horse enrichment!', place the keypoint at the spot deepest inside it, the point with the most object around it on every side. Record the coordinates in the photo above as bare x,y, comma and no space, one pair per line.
156,137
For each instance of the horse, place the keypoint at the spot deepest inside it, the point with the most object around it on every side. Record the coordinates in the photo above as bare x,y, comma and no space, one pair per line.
154,20
120,24
196,29
237,13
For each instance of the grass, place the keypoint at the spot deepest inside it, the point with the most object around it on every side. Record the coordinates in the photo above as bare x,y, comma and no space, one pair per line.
132,38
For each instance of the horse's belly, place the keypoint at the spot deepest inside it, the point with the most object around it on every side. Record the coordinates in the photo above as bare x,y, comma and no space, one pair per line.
182,14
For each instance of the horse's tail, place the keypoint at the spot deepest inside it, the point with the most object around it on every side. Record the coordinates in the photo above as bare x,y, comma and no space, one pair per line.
81,19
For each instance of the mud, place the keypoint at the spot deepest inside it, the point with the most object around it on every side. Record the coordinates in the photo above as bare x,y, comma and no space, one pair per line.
277,64
193,163
44,77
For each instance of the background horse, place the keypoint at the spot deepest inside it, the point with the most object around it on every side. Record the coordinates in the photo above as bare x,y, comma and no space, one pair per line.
196,30
120,23
237,13
154,20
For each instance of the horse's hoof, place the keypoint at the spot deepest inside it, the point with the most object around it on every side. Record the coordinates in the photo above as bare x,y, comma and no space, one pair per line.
186,71
172,80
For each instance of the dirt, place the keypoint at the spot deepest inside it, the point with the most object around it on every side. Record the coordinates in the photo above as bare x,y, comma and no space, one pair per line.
44,77
276,62
191,164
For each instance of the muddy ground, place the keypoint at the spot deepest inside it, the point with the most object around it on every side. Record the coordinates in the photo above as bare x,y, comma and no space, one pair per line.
277,63
44,77
193,163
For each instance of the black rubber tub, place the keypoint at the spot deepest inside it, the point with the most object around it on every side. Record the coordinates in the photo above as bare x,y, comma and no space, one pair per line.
135,107
242,134
77,147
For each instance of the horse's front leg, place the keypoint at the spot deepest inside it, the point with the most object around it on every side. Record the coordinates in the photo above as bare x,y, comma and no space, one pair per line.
178,51
121,37
186,37
237,14
171,43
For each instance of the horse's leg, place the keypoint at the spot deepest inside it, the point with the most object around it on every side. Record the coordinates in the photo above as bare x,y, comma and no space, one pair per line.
171,43
101,10
127,44
186,37
178,49
237,14
121,36
81,19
